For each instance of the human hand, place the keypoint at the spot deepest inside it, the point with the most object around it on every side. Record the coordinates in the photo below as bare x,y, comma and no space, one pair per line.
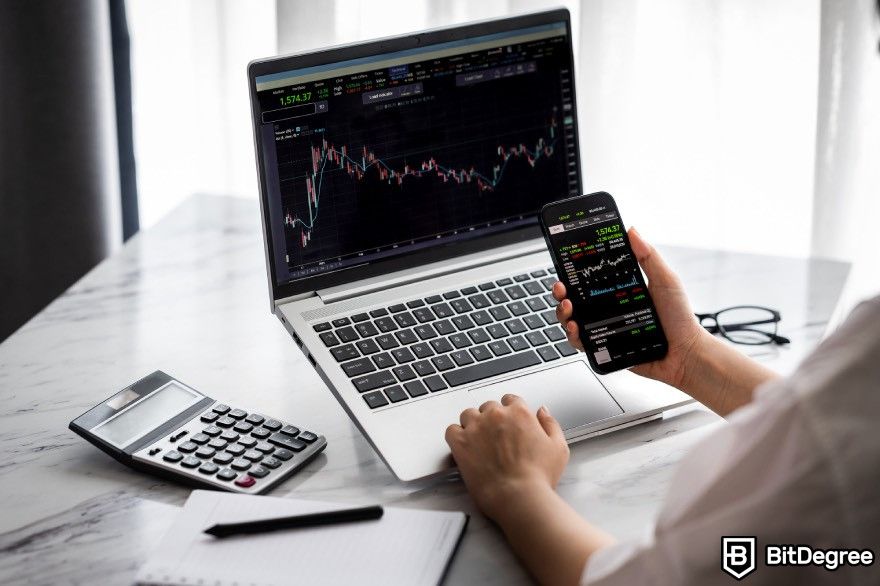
673,308
503,449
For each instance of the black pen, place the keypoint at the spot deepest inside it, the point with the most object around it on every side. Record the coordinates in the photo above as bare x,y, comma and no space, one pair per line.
296,521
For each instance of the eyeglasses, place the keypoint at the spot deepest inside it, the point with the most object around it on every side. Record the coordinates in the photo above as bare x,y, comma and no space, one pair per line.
745,324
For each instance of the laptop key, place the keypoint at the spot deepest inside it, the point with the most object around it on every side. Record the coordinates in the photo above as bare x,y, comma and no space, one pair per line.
533,288
515,326
321,327
534,322
462,357
342,321
387,341
442,310
406,337
357,367
462,322
383,360
565,348
375,399
504,282
489,368
373,380
415,303
499,348
521,278
423,368
425,332
366,330
379,312
515,292
433,299
423,315
421,350
404,373
487,286
550,300
415,388
343,353
444,362
367,346
497,296
481,353
548,282
396,394
536,304
551,270
405,320
481,318
441,345
536,338
500,313
435,383
397,308
329,339
538,273
479,301
347,334
359,317
554,334
517,343
444,327
479,336
550,317
451,295
548,353
460,340
461,306
517,308
403,355
468,290
386,324
497,331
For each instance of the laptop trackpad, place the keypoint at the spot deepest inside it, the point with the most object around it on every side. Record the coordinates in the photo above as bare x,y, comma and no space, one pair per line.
571,391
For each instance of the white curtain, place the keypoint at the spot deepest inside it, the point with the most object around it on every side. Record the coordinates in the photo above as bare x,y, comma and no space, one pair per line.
700,116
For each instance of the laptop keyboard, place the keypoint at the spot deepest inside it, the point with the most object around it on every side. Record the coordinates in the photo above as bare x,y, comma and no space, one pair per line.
426,345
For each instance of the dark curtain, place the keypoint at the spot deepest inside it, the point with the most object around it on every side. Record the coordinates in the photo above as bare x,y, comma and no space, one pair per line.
59,143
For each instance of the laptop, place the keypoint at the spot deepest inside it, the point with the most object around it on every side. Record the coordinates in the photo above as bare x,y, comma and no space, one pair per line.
400,181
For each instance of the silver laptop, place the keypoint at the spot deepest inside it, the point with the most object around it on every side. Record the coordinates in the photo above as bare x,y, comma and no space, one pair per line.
400,183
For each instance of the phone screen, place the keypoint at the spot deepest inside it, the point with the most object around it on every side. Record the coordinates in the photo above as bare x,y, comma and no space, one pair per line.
616,315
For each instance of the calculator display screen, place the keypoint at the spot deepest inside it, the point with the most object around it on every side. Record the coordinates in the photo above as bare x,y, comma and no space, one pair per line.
147,414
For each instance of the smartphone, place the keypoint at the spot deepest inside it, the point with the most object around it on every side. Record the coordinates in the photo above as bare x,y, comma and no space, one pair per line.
618,322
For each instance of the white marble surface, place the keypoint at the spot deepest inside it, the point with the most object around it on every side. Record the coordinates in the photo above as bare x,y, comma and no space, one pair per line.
189,296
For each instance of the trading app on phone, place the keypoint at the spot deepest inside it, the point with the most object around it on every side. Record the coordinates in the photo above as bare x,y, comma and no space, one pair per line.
618,321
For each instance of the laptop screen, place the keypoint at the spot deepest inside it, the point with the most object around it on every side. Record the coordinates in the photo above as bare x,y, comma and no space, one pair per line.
380,156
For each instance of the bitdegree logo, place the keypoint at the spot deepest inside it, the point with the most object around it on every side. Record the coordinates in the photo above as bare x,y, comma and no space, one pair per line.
804,555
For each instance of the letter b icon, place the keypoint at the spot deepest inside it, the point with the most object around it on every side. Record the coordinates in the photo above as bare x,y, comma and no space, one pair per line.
738,556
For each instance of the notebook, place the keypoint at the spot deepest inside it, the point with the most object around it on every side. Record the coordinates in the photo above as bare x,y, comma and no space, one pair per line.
405,546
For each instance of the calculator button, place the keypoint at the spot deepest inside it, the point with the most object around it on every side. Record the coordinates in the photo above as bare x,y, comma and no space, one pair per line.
209,416
308,437
255,419
237,414
172,456
271,462
242,427
265,447
290,430
228,435
190,462
205,452
226,474
217,443
200,439
272,424
253,455
247,442
286,442
283,454
176,436
261,433
187,447
245,481
258,472
220,408
235,449
212,430
223,458
240,464
225,422
209,468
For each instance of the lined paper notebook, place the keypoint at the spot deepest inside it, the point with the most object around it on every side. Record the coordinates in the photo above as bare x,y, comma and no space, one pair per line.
405,546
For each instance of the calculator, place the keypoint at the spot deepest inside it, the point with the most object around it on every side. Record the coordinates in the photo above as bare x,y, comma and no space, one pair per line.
162,426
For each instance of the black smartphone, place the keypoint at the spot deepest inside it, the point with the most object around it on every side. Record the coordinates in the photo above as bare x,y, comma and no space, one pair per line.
618,322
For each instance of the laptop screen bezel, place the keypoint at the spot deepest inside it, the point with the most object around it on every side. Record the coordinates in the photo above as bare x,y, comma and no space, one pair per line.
405,260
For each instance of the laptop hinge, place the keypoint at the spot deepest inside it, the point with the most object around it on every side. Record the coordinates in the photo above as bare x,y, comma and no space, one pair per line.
398,278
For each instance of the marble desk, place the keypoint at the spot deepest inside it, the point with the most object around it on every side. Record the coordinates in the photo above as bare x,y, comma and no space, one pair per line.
189,296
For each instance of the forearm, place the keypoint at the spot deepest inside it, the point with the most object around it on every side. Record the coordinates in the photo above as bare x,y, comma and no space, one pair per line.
550,537
720,377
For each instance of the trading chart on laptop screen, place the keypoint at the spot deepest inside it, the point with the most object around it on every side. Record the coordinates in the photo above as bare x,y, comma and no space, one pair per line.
382,155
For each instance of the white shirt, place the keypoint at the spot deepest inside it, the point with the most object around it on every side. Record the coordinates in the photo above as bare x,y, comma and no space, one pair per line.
798,465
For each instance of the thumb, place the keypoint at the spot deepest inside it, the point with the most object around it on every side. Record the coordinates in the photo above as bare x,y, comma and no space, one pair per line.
550,425
656,269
